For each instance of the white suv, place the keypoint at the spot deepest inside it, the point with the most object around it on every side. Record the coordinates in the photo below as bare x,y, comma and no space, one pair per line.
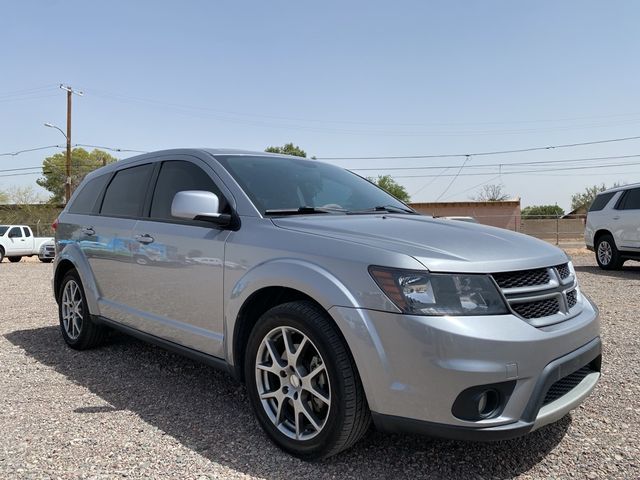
613,226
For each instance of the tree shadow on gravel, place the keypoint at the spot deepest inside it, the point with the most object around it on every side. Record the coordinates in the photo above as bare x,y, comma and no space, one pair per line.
207,411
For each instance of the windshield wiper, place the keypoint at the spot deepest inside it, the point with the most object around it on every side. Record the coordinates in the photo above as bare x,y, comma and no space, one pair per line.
301,211
384,208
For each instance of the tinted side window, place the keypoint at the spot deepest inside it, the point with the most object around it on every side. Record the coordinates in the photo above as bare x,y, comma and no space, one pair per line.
125,194
630,200
85,200
27,232
177,176
15,232
601,201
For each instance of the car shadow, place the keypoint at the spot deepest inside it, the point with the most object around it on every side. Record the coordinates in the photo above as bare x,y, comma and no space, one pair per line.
208,412
627,271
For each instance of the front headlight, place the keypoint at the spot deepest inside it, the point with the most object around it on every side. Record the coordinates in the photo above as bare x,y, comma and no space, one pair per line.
424,293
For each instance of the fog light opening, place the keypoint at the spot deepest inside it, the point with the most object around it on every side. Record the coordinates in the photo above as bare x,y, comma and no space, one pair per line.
487,402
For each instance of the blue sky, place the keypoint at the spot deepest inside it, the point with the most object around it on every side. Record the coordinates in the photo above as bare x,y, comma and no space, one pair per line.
337,78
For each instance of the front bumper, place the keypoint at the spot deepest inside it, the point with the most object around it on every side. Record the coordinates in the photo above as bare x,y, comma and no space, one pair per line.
413,368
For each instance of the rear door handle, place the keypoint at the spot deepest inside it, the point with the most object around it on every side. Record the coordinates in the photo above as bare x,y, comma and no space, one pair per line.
144,238
616,217
88,231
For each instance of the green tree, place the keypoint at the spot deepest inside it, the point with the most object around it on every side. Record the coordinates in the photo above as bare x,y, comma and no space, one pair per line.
389,185
82,162
288,149
542,211
4,198
584,199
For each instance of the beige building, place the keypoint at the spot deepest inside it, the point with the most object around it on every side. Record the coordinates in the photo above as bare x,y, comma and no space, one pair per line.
504,214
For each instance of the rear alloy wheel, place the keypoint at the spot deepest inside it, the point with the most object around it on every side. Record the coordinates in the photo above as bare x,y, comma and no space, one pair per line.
302,382
14,259
607,254
78,330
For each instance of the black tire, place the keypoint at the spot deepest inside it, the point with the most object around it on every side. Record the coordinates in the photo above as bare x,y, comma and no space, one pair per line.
607,254
90,334
348,417
46,260
1,254
14,259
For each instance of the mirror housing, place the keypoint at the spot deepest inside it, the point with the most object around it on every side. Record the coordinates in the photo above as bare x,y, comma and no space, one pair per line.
198,205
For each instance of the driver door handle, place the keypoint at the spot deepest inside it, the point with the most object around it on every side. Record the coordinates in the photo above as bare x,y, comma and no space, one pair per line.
144,238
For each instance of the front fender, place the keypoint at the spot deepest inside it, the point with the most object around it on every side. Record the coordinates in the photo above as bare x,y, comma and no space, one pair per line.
71,253
303,276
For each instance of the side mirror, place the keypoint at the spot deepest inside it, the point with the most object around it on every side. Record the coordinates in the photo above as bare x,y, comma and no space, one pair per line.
198,205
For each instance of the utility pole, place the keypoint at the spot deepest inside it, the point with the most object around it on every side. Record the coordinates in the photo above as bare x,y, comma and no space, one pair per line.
67,186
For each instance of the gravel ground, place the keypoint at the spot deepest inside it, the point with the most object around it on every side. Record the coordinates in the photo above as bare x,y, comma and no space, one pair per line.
133,410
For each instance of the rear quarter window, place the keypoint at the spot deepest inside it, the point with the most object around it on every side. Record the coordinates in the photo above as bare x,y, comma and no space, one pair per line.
85,201
601,201
630,200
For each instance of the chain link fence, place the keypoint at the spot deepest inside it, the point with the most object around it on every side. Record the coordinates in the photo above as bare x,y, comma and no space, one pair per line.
38,217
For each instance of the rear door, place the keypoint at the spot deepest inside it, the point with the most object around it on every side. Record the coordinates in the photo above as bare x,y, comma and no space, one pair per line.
106,240
626,220
178,265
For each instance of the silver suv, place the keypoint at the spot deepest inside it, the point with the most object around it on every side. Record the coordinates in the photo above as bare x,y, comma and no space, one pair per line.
336,304
613,226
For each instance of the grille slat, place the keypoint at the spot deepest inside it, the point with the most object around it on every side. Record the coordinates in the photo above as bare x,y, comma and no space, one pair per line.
524,278
563,271
572,298
537,309
566,384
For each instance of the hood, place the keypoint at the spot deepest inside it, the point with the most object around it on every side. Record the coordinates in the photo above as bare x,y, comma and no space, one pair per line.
441,245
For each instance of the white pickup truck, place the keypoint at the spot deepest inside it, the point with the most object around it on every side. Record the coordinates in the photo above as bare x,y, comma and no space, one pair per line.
17,241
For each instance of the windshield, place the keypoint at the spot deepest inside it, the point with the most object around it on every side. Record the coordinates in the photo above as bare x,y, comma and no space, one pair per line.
281,183
3,229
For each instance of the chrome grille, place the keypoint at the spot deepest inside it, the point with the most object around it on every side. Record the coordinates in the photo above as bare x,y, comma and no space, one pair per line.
540,296
566,384
539,309
572,298
563,271
523,278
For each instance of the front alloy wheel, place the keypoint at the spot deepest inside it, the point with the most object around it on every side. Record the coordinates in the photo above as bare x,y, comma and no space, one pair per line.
302,382
293,383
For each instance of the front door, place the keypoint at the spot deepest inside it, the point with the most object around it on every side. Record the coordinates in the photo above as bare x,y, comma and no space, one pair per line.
17,243
178,265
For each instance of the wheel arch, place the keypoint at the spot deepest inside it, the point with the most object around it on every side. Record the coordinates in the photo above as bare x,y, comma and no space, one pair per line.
274,283
258,303
599,233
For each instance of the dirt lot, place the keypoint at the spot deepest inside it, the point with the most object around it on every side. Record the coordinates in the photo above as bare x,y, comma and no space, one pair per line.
133,410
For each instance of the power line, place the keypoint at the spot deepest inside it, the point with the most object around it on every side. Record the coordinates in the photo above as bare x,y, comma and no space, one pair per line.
200,108
454,178
478,154
113,149
539,170
538,162
26,150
